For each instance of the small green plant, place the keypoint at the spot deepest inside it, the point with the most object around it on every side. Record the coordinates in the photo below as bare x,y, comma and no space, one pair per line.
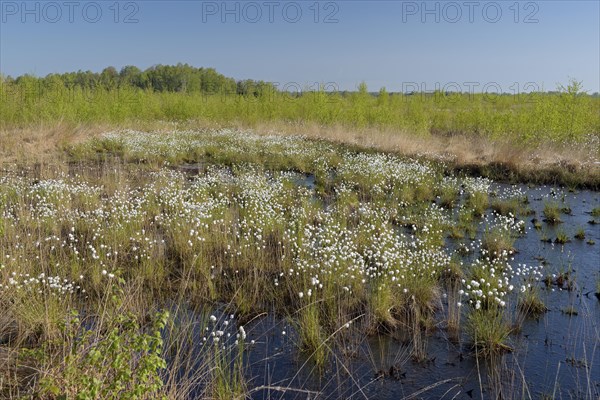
562,237
311,340
552,213
595,211
497,242
591,242
478,203
506,206
466,223
531,304
227,371
489,332
456,232
449,196
580,234
123,363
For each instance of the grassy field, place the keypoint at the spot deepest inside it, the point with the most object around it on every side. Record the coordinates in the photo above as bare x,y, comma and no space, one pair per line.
560,117
142,231
106,251
538,137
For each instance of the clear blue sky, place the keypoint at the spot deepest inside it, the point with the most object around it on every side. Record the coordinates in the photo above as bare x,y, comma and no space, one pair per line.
384,43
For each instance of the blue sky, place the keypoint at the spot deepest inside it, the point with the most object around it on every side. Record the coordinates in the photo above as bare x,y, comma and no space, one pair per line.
397,44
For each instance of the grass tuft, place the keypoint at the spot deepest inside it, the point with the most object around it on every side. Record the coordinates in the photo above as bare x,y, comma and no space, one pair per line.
552,213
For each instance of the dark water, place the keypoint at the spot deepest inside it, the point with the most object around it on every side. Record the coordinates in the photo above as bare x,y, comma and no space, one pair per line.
556,355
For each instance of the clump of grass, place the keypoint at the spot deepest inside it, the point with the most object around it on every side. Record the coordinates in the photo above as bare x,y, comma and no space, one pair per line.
382,301
591,242
536,224
566,210
506,207
489,332
452,278
478,202
227,372
580,234
566,280
563,280
497,242
456,232
449,196
548,281
552,213
466,223
595,212
562,237
310,334
531,304
545,238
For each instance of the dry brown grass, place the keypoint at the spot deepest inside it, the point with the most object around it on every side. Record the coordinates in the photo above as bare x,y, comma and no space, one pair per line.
572,165
548,163
42,143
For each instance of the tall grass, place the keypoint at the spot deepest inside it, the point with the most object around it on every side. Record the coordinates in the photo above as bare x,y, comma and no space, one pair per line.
206,224
541,118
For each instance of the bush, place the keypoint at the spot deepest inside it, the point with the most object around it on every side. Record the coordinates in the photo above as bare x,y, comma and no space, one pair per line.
123,363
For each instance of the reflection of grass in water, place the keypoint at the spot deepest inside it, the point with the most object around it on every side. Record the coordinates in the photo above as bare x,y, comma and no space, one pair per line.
570,311
384,362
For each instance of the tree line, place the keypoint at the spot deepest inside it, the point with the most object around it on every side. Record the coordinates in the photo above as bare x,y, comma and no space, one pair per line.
180,78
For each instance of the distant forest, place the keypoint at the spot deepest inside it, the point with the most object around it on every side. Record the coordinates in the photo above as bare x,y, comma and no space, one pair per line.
159,78
182,78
